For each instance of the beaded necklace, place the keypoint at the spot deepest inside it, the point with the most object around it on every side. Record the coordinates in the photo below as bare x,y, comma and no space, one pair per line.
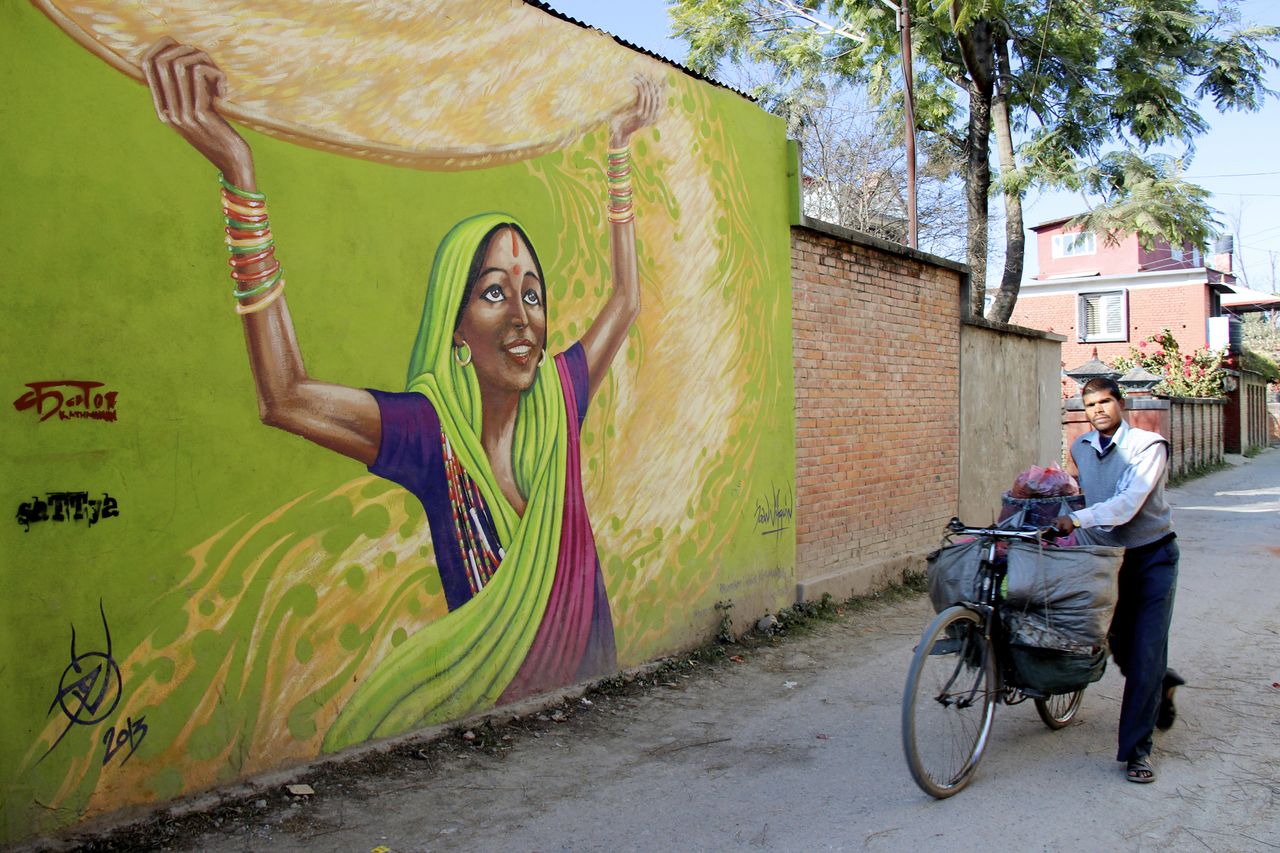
472,522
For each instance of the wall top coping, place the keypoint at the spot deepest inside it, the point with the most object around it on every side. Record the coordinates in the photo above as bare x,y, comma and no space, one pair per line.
1200,401
1075,404
984,323
839,232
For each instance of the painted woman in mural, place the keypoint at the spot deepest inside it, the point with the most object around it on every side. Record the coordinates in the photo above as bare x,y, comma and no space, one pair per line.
486,433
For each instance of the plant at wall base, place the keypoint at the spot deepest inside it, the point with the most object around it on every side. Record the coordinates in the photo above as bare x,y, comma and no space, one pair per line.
1194,374
1251,359
724,630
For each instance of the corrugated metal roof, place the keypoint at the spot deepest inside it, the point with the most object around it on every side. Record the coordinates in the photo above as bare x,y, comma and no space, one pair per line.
551,10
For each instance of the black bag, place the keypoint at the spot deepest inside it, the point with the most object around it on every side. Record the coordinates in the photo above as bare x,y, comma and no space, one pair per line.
1051,671
1036,512
953,574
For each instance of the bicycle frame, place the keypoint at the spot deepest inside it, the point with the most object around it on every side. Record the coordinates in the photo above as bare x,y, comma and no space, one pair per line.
946,720
990,575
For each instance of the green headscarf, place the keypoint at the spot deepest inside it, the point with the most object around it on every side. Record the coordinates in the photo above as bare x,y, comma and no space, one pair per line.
461,663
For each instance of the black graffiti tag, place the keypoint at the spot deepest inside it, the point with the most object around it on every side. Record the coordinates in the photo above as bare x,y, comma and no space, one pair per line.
90,687
67,507
130,734
775,511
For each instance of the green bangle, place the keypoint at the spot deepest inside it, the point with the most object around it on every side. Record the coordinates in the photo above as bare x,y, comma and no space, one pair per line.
251,250
235,190
262,288
246,226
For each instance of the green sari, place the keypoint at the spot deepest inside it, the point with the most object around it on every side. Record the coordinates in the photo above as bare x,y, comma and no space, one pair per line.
462,663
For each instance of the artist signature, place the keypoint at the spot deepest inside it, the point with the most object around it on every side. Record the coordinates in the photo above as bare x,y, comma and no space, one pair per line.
774,512
130,734
69,399
90,687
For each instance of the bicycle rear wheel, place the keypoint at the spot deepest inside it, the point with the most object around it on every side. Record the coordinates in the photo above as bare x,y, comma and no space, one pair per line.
1059,709
949,702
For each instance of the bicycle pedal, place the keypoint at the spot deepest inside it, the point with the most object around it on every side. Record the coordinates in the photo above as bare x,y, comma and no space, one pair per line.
948,646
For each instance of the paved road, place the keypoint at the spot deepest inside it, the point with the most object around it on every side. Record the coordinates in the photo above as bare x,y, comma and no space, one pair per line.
798,748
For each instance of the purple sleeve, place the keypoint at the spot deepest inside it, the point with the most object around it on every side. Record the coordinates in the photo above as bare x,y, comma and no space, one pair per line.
410,439
575,358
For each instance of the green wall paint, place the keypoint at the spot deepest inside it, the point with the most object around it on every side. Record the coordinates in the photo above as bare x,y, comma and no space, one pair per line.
240,550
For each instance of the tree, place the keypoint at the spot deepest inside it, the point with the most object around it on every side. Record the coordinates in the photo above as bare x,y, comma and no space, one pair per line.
1094,90
854,172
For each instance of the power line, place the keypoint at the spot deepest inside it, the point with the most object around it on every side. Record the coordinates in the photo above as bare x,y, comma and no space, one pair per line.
1233,175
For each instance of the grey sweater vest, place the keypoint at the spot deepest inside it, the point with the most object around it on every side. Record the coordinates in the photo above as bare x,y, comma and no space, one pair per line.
1100,475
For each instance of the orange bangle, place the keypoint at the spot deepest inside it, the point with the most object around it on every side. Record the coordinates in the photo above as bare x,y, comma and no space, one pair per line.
255,307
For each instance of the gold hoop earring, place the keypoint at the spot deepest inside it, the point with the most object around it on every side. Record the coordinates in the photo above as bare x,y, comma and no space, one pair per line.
542,359
457,354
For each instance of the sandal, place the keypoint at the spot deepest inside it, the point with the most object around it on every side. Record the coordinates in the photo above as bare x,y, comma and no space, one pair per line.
1168,712
1140,770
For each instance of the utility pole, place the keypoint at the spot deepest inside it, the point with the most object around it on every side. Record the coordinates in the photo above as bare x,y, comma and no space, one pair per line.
903,11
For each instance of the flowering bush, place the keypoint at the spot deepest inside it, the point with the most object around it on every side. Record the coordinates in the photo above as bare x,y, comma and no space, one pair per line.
1197,374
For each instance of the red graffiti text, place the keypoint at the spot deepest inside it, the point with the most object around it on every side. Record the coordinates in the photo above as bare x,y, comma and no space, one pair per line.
69,399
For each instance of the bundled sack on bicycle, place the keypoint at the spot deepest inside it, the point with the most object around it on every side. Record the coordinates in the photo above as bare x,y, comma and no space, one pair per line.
1058,604
1039,495
1058,598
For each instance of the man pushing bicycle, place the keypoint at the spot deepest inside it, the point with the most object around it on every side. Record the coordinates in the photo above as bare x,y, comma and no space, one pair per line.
1122,471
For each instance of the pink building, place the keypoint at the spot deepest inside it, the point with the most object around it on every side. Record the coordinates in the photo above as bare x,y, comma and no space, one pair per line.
1110,297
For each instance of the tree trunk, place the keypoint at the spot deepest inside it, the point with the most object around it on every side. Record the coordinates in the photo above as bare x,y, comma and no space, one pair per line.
977,187
1014,237
976,49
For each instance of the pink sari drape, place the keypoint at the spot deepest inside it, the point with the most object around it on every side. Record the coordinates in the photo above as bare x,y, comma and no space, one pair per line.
566,648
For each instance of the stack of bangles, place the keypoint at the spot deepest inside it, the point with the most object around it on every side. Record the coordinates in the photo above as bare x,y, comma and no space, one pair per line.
621,208
254,267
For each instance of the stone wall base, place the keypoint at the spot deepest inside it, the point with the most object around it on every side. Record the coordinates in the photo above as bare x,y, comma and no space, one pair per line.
848,581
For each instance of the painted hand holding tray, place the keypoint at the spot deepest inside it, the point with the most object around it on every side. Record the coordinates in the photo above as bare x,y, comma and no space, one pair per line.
413,83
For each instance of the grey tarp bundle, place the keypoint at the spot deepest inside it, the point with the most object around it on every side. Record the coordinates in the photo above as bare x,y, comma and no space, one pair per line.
1063,598
1058,608
953,572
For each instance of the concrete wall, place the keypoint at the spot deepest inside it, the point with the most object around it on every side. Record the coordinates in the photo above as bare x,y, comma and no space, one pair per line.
192,597
1011,411
877,365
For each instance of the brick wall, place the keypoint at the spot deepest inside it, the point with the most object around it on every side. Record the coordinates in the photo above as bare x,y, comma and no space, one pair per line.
876,348
1182,310
1245,415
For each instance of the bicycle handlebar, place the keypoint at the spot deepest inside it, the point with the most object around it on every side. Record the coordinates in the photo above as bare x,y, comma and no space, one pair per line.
1034,534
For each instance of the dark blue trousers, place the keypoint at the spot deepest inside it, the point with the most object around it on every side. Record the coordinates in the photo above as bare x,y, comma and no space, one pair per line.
1140,640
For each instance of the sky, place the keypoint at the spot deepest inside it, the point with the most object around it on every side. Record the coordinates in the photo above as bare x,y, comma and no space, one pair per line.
1236,159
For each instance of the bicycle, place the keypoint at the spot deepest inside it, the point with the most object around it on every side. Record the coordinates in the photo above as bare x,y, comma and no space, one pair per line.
960,670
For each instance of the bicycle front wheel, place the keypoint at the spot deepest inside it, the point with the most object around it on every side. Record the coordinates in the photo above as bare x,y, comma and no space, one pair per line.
949,702
1059,709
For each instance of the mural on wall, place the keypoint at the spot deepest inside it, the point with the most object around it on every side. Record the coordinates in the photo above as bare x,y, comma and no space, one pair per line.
486,435
611,343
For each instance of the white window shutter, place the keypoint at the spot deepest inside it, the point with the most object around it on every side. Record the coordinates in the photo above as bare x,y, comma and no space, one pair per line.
1113,310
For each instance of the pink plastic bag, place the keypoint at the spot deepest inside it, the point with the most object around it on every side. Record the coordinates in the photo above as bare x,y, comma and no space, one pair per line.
1046,482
